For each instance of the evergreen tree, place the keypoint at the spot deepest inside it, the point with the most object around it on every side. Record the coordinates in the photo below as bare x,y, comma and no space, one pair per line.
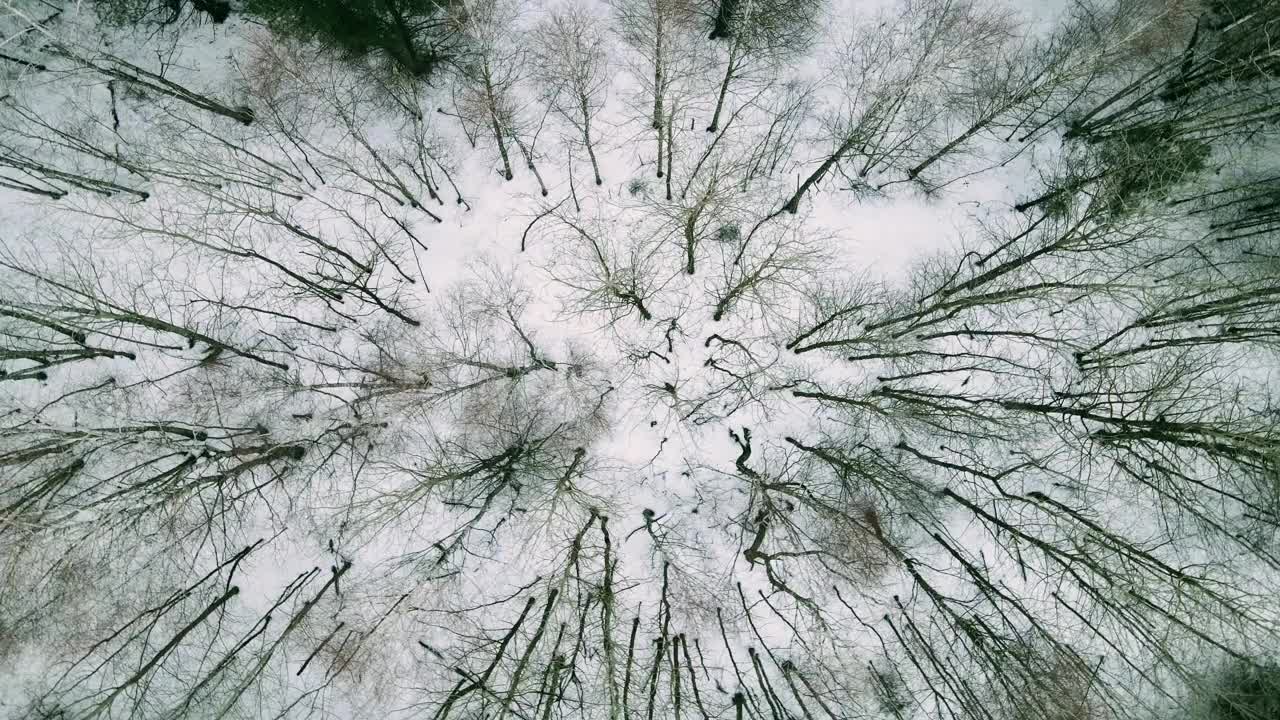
1243,691
128,12
417,35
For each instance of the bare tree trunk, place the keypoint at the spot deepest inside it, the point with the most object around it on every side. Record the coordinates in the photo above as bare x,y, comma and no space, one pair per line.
793,205
117,68
671,145
586,139
659,128
946,149
690,240
573,190
724,88
659,50
528,160
492,102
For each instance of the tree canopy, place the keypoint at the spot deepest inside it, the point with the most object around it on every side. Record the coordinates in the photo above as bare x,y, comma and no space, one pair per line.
522,360
418,36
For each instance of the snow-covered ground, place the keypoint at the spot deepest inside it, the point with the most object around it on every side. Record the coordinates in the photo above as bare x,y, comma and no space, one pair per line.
481,428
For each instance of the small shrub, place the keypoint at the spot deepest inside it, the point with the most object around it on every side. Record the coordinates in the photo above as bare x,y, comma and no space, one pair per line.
890,692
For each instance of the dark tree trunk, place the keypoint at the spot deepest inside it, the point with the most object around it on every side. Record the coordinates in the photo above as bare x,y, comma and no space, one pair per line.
724,88
793,205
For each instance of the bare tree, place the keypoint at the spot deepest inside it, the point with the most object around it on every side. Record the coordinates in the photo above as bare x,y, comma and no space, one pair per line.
573,65
897,74
761,35
658,31
685,456
24,19
491,72
609,270
787,111
710,209
1014,89
752,270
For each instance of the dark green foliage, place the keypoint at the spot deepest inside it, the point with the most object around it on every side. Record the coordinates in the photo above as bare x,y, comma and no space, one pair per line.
723,27
217,10
131,12
777,25
416,35
1141,164
1244,692
1221,13
1231,44
1145,162
1222,84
